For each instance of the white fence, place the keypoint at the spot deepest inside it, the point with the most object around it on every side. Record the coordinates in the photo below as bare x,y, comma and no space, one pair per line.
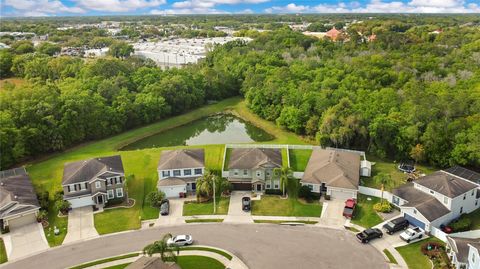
376,193
298,174
438,234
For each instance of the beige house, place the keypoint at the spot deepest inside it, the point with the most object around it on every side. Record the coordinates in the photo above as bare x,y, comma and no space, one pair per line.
94,182
336,173
253,168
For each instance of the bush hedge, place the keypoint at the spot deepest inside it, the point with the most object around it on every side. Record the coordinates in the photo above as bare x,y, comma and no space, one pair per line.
274,192
462,224
384,207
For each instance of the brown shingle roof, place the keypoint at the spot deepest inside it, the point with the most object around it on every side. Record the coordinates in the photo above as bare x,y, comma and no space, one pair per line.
151,263
334,168
446,184
253,158
181,158
83,171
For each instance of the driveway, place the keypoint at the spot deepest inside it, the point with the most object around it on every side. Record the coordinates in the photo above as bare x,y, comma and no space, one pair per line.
80,224
235,212
267,246
24,241
332,213
175,214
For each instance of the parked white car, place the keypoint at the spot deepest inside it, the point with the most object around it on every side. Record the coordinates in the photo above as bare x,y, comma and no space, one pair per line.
180,240
412,233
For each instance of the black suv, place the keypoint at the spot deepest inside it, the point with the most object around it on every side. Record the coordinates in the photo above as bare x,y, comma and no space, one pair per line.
246,203
396,225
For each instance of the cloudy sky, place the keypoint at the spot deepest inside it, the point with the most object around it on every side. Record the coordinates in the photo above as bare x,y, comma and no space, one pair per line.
139,7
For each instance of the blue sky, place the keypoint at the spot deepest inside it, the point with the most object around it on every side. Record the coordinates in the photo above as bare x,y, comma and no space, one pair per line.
140,7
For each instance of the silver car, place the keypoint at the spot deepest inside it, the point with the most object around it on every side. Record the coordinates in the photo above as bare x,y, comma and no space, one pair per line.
180,240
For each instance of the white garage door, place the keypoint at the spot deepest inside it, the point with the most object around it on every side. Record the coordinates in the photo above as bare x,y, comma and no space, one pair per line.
80,202
342,194
173,191
21,221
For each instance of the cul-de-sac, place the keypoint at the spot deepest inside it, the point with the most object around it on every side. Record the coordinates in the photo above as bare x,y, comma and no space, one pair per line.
239,134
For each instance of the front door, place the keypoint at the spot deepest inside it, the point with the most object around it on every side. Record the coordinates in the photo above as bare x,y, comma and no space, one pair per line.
100,199
194,186
259,187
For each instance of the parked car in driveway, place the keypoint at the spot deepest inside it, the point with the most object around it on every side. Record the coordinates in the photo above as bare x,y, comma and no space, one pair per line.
246,204
412,233
396,225
369,234
349,209
165,207
180,240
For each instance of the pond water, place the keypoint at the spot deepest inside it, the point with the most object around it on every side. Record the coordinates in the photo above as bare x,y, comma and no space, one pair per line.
215,129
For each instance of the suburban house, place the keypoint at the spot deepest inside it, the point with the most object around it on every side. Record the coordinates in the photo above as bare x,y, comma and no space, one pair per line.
464,249
94,182
333,172
18,201
151,263
178,171
252,169
438,198
333,34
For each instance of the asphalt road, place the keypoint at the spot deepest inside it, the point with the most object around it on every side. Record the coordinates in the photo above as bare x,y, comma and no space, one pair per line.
259,246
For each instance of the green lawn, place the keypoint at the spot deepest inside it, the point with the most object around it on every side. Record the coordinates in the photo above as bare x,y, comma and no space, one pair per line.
365,216
273,205
299,159
116,258
390,256
3,252
199,262
284,221
218,251
202,220
191,209
398,178
413,256
475,217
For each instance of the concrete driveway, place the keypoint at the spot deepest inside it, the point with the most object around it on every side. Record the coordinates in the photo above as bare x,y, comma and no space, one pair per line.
175,215
24,241
80,224
332,213
235,212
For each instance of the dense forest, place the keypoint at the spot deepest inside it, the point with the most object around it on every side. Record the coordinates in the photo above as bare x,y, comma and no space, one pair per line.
409,94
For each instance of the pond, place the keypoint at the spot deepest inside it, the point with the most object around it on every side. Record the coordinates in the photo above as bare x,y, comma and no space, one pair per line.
214,129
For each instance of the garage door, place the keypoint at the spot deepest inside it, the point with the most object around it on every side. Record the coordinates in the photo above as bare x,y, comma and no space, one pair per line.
415,222
341,195
173,191
21,221
242,186
81,202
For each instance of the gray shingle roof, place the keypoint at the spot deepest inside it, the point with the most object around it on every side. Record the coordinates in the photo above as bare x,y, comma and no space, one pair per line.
83,171
171,181
17,188
253,158
461,248
446,184
464,173
339,169
427,205
181,158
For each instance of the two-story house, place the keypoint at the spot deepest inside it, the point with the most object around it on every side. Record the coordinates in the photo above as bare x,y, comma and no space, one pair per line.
94,182
438,198
253,168
333,172
18,201
464,249
178,171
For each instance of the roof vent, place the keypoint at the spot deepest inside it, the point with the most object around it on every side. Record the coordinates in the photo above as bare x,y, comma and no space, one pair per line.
15,197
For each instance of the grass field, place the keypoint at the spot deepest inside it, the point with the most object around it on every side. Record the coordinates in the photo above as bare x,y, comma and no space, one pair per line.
199,262
116,258
475,217
390,256
414,257
365,216
218,251
284,221
191,209
299,159
272,205
3,252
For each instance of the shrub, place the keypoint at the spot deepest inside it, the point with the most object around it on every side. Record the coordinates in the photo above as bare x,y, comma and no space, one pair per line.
42,215
327,197
5,230
384,207
274,192
155,198
307,194
115,201
462,224
62,206
58,196
43,199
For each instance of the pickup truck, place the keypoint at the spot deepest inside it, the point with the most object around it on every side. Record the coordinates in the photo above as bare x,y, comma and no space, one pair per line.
412,233
349,209
369,234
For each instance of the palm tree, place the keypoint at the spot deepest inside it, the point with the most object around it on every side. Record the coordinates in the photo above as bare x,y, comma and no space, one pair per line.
285,174
205,184
167,253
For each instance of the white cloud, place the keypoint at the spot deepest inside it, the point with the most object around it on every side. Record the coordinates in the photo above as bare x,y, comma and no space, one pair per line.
245,11
118,5
379,6
206,6
37,8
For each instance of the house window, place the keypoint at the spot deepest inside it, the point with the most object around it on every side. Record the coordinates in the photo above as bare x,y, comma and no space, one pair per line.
259,173
235,172
86,187
268,186
98,184
110,194
414,211
245,172
276,185
187,172
464,196
445,200
310,186
119,192
198,171
177,173
120,180
165,173
476,202
268,173
432,192
473,191
68,188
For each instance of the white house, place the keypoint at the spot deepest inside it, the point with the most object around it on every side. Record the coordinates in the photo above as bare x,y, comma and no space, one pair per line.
438,198
178,171
463,249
